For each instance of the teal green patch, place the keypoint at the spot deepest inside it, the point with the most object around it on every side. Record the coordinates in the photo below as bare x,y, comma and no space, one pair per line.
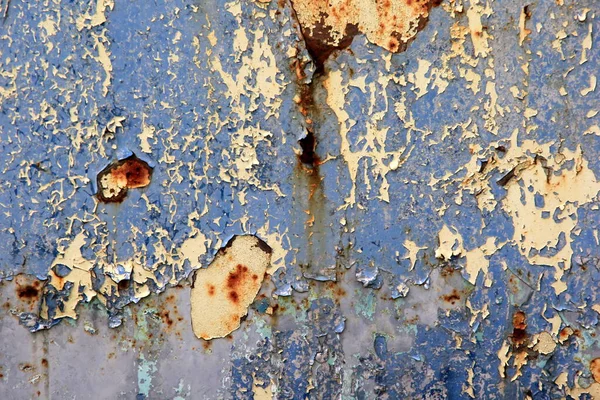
366,305
144,375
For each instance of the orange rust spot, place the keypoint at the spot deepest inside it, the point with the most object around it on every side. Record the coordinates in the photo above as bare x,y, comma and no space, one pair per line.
565,333
166,318
237,281
206,344
44,363
235,278
211,289
115,180
595,369
234,297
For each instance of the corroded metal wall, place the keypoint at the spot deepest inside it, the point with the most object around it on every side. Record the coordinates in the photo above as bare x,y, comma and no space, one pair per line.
299,199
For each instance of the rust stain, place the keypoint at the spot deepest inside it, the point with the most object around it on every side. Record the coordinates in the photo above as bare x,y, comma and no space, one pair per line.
519,322
116,179
28,291
565,334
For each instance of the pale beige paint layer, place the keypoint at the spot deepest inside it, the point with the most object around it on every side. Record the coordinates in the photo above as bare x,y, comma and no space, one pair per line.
222,292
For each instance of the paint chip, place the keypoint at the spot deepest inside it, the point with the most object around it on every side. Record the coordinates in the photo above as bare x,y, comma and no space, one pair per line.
222,292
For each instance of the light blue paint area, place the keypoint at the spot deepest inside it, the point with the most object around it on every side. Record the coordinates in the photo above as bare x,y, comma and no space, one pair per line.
145,374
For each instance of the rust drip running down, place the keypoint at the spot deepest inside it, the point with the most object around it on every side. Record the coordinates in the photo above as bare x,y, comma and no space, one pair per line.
115,180
306,104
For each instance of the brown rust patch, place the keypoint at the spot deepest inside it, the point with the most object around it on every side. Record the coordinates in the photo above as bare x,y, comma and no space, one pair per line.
115,180
519,322
28,292
565,334
329,26
595,369
451,298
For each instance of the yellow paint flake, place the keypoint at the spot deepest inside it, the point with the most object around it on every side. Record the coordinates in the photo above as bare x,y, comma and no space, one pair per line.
593,130
591,88
479,36
79,276
98,18
145,135
586,45
412,250
261,393
535,227
523,31
419,78
450,243
504,354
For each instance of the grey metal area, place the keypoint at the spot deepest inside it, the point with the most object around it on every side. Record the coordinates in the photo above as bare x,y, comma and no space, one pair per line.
371,199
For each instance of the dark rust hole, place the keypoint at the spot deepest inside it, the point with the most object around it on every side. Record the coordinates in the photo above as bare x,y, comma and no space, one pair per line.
115,180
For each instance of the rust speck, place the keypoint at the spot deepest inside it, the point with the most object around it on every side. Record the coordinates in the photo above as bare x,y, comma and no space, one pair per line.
234,297
211,290
115,180
166,318
451,298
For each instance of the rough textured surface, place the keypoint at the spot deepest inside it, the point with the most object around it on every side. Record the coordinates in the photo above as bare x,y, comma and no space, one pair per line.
432,213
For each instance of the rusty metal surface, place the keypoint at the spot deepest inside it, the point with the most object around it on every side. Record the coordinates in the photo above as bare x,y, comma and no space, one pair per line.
422,178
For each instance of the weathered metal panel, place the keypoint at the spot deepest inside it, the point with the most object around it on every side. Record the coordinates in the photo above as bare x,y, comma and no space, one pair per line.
422,178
